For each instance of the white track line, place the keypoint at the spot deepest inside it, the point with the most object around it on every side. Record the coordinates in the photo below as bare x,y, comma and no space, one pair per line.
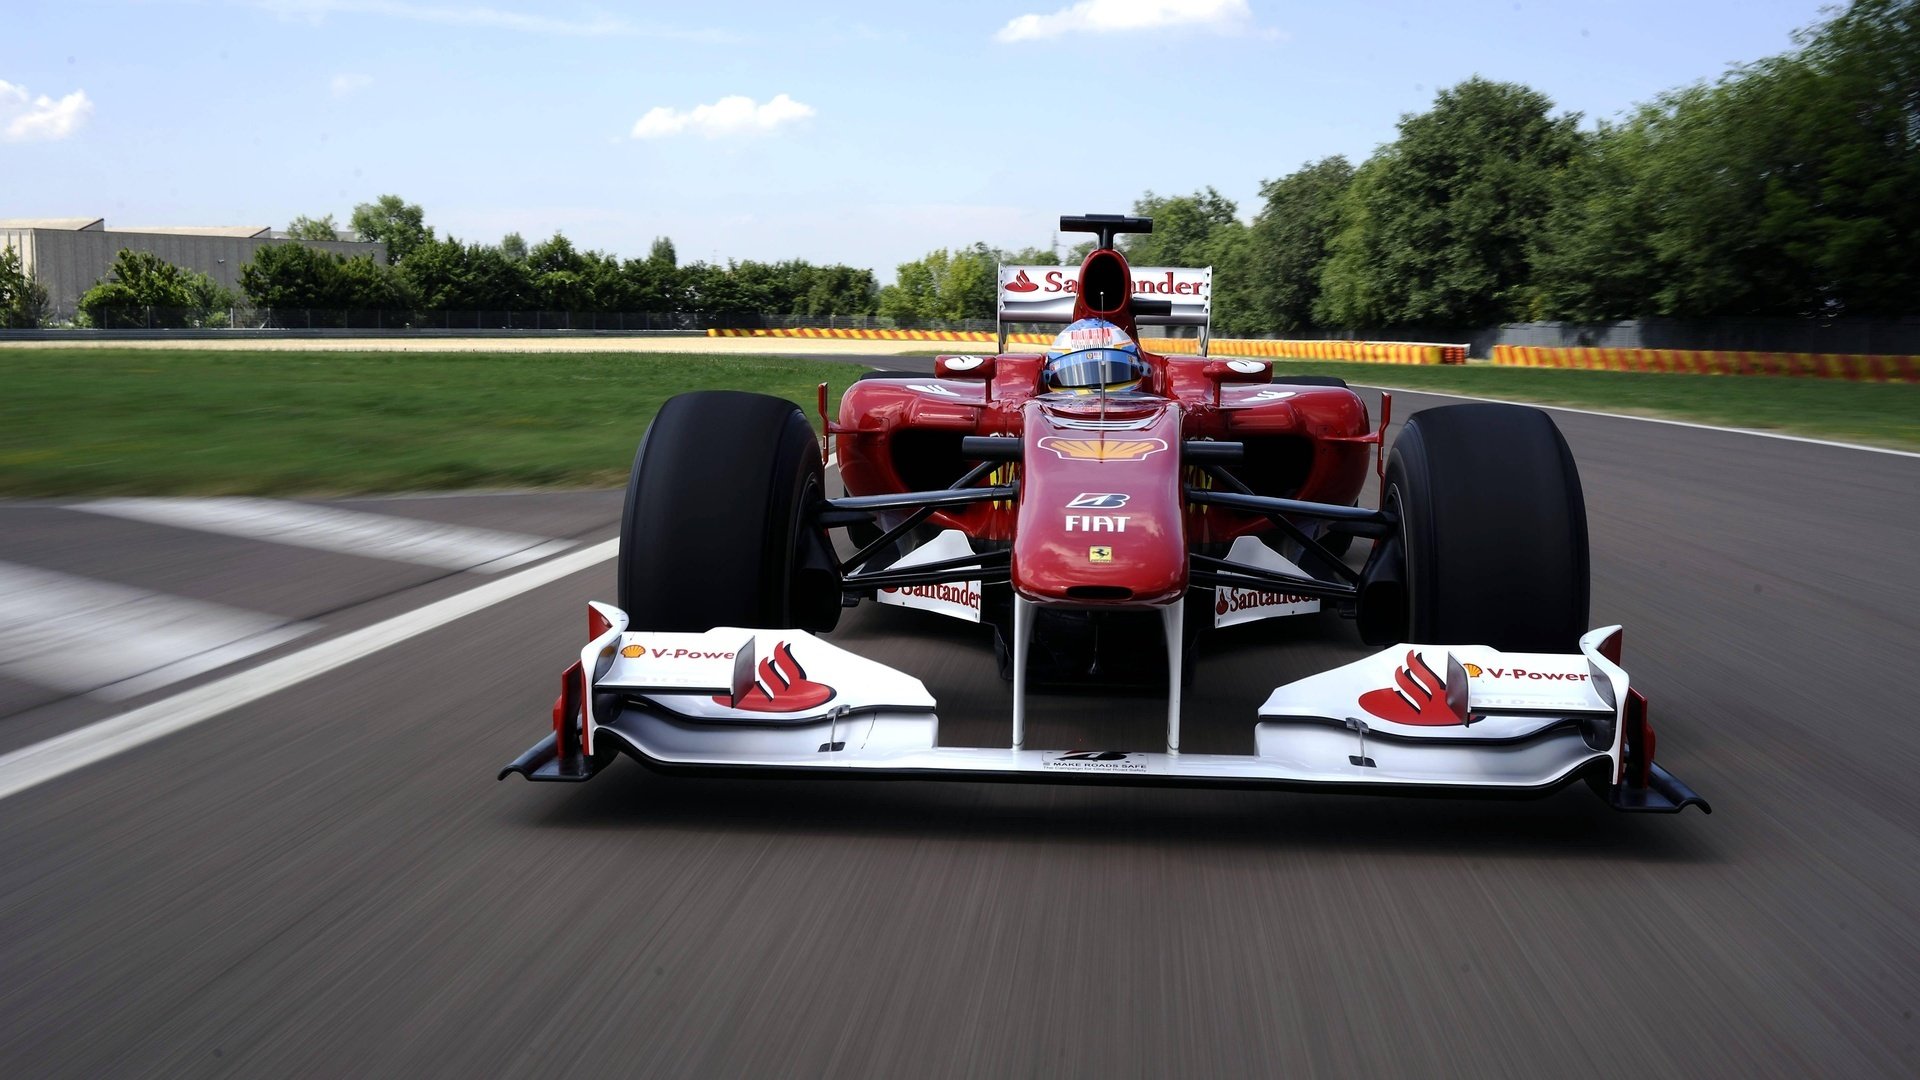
348,532
76,749
1656,420
115,641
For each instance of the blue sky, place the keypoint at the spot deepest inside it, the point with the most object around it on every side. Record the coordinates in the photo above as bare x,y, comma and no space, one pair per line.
865,133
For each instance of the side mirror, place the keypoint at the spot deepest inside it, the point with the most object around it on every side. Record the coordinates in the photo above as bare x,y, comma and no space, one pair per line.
1238,371
1235,371
963,367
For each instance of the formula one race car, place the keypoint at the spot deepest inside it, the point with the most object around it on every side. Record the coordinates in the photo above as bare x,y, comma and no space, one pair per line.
1103,507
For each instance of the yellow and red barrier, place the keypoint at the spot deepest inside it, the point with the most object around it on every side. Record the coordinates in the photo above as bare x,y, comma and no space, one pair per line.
1852,366
1367,352
1374,352
876,335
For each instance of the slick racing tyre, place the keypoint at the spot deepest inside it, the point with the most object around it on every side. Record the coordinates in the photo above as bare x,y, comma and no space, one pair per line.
716,530
1494,529
1308,380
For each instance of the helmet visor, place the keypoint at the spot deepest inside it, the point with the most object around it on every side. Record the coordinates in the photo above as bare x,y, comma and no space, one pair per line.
1094,369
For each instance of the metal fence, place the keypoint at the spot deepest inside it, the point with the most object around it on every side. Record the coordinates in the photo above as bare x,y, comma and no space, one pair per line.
1882,337
380,319
1890,337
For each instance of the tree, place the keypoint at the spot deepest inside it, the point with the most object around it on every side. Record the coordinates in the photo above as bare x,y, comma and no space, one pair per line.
1437,226
514,246
944,286
446,275
23,301
1031,256
648,285
142,285
559,278
914,294
1288,243
296,276
1783,189
838,290
1236,279
1183,228
306,228
395,222
361,284
662,253
290,276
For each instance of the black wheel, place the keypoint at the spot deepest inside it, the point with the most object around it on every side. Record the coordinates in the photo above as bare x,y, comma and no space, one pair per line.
1494,529
865,375
1309,380
715,531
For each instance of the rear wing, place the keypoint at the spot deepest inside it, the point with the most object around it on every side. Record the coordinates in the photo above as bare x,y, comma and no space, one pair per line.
1045,294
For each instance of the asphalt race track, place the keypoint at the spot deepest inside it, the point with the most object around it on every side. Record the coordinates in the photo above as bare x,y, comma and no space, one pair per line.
329,881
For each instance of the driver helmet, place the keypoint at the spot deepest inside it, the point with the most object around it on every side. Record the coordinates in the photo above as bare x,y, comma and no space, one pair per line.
1094,354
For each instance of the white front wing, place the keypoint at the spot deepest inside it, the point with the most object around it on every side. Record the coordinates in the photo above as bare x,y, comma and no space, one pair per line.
818,707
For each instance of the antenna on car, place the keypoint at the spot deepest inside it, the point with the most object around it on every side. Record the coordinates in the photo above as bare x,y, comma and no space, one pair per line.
1105,226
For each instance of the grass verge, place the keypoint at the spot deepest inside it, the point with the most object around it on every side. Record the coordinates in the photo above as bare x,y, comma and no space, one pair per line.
1877,414
153,422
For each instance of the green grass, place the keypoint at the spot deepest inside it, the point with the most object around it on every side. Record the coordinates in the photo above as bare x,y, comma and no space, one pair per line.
154,422
1878,414
162,422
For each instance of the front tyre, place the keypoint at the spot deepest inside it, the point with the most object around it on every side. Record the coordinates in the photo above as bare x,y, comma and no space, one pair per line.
1493,527
717,528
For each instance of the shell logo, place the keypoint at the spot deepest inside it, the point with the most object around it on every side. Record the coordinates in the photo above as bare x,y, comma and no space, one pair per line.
633,652
1103,449
1473,670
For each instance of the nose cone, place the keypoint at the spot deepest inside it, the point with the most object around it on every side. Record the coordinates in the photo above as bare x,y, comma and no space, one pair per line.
1101,520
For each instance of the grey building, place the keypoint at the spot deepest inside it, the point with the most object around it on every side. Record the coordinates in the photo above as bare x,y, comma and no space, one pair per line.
68,255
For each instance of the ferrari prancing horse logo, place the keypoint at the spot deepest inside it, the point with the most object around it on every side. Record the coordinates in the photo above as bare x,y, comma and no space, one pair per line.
1103,449
1099,554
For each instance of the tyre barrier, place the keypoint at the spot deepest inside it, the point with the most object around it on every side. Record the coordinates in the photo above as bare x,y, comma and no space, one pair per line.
1849,366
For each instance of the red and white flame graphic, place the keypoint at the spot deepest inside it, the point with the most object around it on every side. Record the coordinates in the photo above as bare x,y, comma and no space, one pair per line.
781,686
1418,696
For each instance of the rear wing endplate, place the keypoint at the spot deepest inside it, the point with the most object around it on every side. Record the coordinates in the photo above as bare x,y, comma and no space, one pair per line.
1045,294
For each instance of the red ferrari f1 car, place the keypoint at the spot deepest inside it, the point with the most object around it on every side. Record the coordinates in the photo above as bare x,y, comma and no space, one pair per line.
1101,507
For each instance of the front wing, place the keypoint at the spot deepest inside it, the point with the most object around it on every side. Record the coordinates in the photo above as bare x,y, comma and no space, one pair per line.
1410,719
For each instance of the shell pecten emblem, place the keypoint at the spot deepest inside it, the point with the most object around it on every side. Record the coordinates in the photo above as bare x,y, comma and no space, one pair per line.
1099,449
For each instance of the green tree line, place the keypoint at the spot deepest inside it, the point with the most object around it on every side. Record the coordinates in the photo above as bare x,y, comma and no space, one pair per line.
431,273
1785,188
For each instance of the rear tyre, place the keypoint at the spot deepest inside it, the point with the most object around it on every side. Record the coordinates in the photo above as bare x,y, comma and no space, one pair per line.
1309,380
716,529
1494,529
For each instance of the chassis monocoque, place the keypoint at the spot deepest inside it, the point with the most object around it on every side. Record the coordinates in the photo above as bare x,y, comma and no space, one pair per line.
1089,530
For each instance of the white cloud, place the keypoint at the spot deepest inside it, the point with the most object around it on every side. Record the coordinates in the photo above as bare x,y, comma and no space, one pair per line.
735,115
1107,16
490,18
348,83
24,118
